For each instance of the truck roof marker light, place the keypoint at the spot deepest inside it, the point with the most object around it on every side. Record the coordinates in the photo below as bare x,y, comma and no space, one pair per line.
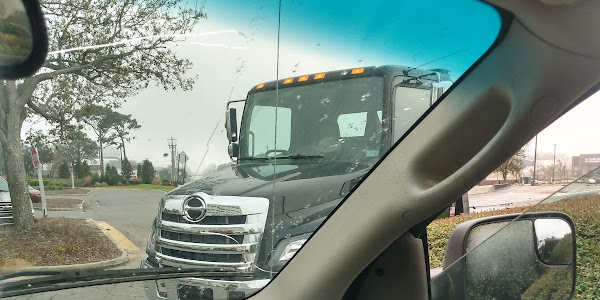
288,81
260,86
320,76
303,78
358,71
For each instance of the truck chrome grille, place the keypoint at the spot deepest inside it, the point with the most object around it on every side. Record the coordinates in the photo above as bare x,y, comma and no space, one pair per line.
227,258
208,220
226,238
201,238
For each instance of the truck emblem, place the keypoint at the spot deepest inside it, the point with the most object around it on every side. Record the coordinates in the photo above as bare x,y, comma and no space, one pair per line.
194,209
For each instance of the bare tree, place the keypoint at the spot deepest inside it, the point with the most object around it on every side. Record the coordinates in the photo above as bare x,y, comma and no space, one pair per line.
514,165
101,53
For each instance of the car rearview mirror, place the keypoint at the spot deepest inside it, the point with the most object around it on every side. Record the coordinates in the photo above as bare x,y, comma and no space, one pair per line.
23,38
529,256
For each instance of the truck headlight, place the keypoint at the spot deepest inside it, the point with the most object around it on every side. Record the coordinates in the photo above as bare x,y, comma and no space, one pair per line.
151,243
287,249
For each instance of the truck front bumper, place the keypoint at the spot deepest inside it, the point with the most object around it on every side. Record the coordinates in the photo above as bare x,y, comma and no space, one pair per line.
199,288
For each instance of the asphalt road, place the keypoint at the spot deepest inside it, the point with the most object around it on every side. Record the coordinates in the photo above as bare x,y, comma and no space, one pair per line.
127,290
528,195
129,211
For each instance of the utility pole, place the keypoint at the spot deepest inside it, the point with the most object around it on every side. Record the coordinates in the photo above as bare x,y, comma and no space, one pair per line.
534,182
554,163
173,148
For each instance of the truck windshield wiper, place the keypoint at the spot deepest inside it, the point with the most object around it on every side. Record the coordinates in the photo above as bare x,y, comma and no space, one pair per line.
294,156
55,280
256,158
299,156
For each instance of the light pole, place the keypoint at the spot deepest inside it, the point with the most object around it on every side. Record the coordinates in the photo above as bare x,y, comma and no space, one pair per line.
533,181
553,163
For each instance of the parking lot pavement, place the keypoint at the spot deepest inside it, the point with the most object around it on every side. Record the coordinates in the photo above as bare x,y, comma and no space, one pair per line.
129,211
511,196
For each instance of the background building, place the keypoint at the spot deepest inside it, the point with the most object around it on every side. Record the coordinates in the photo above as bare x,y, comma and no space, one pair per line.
585,163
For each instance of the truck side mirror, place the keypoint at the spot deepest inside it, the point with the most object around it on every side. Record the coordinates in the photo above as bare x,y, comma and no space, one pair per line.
231,125
234,150
529,256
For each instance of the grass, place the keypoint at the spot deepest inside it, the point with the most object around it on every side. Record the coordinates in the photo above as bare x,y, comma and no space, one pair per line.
585,212
56,241
143,187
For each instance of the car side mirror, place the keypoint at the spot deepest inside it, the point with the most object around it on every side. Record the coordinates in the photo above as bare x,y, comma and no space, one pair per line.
529,256
231,125
23,39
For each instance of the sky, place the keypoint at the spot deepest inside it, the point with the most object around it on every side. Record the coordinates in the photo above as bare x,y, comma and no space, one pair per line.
316,36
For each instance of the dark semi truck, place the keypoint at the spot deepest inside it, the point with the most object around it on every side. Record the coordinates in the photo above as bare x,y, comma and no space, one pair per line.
304,143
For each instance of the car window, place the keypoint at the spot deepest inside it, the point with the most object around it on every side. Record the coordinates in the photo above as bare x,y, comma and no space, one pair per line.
553,173
131,109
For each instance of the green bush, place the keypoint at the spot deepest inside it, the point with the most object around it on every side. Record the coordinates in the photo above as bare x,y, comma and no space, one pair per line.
65,182
34,181
100,184
53,187
95,178
135,181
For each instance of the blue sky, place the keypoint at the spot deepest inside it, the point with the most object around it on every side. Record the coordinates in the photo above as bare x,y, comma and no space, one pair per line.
370,33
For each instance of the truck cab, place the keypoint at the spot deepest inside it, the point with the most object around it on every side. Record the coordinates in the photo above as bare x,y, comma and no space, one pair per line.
324,131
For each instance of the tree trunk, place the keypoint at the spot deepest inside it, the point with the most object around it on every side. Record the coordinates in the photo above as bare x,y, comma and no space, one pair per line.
123,146
101,159
15,173
11,121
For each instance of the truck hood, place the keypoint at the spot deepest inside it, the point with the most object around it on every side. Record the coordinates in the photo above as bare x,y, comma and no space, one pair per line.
294,186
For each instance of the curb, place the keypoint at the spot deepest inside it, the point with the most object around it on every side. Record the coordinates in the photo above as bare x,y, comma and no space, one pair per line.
78,208
88,193
124,258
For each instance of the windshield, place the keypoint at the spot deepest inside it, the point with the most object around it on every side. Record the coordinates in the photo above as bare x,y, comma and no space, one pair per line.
338,121
124,133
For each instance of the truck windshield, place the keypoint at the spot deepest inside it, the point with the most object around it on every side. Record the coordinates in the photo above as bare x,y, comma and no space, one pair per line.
334,121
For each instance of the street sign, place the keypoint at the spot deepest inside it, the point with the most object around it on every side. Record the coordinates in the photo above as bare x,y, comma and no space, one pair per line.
35,157
36,163
72,179
183,157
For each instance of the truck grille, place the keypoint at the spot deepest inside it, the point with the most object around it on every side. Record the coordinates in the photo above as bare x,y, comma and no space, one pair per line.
230,258
201,238
208,220
227,238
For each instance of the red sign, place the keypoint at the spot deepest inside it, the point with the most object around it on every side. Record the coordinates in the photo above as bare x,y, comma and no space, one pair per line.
34,157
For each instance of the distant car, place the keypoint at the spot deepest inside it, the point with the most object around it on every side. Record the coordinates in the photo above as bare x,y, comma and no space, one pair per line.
6,215
35,195
5,204
591,181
